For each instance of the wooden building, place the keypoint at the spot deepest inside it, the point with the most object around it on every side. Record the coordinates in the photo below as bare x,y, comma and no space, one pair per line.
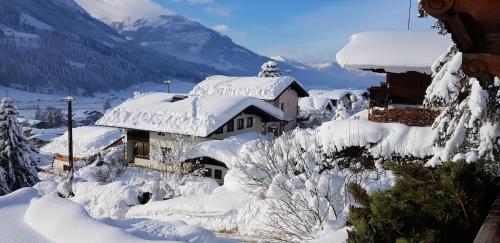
405,57
400,89
475,28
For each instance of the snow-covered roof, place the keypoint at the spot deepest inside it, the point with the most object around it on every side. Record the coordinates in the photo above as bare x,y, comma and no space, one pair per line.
314,103
194,115
334,94
266,88
87,141
396,52
359,92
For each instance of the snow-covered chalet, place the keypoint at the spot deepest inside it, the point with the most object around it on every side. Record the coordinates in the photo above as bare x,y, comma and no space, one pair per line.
154,122
281,92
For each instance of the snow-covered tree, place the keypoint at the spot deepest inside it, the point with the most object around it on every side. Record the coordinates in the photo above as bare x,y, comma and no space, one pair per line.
171,157
269,69
469,126
17,156
343,110
302,188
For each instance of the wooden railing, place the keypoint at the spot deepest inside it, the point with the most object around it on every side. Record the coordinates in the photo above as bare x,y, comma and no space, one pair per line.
490,230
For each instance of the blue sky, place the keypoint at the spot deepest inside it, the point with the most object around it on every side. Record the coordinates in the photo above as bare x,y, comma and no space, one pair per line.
306,30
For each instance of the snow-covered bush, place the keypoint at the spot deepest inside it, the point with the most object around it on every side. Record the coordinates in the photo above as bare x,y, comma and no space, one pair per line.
17,156
171,158
108,164
109,200
314,118
64,188
343,111
469,127
269,69
302,182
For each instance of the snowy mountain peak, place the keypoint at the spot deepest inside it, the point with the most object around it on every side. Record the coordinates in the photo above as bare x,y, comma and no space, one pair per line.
189,40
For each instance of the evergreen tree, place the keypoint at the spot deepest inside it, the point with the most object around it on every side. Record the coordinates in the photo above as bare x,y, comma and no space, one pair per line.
443,204
269,69
17,156
469,126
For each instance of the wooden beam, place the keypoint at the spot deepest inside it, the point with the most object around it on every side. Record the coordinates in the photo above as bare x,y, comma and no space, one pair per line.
488,9
481,65
490,230
438,9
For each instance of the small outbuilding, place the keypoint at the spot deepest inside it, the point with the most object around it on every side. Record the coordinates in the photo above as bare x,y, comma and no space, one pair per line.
88,142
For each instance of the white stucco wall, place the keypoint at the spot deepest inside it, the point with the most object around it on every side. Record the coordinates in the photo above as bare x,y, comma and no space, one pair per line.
166,140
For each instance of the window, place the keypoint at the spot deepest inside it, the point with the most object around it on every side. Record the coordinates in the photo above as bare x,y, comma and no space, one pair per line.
208,172
230,126
282,106
250,122
141,150
220,130
218,174
240,123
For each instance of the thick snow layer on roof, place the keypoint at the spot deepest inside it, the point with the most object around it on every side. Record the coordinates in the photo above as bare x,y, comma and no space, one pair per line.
224,150
334,94
396,52
267,88
314,103
87,141
195,115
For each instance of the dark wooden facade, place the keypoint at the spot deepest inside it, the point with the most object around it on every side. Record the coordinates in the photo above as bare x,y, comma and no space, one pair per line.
401,88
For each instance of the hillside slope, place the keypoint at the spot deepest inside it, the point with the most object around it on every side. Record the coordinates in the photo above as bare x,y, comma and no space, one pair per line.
56,46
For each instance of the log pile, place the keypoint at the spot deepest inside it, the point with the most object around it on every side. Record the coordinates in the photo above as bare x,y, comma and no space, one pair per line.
408,116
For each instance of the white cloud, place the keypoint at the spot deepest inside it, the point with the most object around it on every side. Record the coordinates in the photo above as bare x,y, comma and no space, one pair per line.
221,28
218,11
115,10
236,35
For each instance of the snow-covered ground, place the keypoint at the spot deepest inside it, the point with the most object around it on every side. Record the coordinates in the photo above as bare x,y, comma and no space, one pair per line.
28,217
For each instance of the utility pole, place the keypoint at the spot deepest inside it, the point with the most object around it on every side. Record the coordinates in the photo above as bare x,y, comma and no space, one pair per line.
167,82
69,99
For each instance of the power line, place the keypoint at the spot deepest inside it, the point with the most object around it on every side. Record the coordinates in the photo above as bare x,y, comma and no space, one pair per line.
409,15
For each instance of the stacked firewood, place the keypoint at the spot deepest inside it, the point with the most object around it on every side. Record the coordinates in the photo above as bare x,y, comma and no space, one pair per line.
409,116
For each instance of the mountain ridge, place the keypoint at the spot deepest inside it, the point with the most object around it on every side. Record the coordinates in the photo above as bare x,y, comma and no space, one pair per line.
56,46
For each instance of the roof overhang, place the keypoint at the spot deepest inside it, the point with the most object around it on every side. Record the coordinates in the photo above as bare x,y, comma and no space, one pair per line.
475,28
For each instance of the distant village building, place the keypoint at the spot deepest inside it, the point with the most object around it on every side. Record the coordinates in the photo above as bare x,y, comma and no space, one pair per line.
88,142
41,137
335,95
281,92
405,57
315,104
154,123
